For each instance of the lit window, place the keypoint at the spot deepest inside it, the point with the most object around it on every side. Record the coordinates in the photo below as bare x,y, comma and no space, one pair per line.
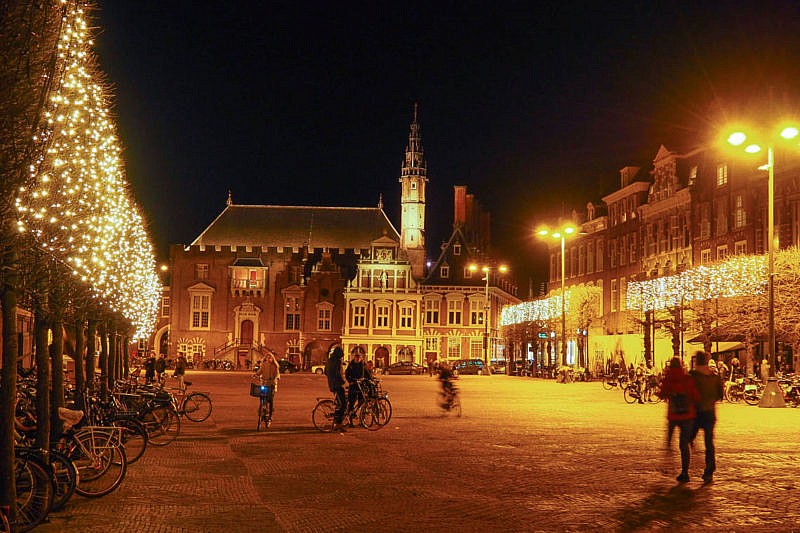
467,273
705,256
165,305
722,252
432,344
406,317
476,312
201,309
476,349
324,319
432,312
359,315
292,313
454,312
739,213
201,271
740,247
722,174
381,316
444,271
413,185
614,296
454,348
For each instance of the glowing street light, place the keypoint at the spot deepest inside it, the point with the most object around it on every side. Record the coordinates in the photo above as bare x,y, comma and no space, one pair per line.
771,395
486,307
561,234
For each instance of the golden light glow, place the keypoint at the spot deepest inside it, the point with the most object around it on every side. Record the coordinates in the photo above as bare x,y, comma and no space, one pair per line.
789,132
77,203
752,149
737,138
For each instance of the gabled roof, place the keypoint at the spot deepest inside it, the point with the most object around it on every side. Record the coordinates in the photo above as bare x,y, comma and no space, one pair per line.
297,226
457,237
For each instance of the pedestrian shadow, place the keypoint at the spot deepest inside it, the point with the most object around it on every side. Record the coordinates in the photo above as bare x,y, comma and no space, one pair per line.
663,509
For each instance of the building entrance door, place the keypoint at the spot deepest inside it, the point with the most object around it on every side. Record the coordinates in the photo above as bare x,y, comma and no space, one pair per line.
381,357
245,344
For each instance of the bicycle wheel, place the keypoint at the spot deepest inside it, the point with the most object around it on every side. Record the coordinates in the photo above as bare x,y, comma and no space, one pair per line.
66,478
5,527
197,407
134,436
100,461
385,407
164,425
34,496
631,394
263,409
623,382
752,397
609,382
322,415
733,394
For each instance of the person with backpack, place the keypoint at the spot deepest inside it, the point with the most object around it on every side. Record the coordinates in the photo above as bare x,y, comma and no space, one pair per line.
679,389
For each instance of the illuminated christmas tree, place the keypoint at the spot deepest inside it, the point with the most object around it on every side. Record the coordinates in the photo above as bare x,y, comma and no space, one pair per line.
77,203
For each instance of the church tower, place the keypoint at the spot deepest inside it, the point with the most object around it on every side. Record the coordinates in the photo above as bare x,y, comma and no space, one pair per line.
413,180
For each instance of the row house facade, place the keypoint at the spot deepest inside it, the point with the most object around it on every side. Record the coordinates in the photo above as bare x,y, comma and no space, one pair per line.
685,209
295,279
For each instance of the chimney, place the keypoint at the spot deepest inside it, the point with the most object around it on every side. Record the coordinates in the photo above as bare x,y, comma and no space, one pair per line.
460,205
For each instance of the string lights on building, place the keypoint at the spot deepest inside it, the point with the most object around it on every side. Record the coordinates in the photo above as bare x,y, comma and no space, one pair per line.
77,203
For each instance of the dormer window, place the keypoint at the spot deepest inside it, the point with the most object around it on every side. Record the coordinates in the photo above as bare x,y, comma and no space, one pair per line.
456,249
444,271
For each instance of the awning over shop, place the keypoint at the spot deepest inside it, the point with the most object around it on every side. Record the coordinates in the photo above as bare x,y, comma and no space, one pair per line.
719,347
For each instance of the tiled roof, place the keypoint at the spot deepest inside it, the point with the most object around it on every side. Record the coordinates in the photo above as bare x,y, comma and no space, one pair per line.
297,226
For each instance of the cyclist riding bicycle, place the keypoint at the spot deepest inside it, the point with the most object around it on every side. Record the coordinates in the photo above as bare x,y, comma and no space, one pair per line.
335,373
446,382
269,373
356,371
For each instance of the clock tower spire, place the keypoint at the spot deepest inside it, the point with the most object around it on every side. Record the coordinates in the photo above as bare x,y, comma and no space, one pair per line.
413,180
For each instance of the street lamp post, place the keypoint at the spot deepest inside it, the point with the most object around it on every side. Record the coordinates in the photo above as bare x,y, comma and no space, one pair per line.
486,307
772,396
562,235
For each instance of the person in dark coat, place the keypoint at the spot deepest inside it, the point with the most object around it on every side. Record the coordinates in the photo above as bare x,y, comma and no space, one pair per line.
356,370
161,365
709,385
679,389
150,368
335,374
180,371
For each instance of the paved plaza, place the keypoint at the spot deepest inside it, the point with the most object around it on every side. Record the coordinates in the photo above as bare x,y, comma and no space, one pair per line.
527,455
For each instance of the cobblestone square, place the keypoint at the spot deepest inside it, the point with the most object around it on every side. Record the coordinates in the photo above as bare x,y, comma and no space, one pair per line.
527,455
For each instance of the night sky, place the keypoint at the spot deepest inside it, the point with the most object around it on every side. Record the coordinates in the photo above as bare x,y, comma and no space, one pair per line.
534,108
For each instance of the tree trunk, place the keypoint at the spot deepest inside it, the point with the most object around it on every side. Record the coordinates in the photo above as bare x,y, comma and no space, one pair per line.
57,393
112,356
103,330
42,381
8,377
91,348
80,372
647,337
126,363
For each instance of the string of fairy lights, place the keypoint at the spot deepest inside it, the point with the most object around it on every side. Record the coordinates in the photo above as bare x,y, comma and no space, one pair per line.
744,275
77,203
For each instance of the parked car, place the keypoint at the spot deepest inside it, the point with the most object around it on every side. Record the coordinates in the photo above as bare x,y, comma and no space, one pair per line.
318,369
469,367
499,366
404,367
287,367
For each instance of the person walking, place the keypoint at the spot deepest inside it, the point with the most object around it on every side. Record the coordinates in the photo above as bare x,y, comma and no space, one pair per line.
709,385
180,371
764,369
269,373
150,368
356,370
160,365
680,391
335,374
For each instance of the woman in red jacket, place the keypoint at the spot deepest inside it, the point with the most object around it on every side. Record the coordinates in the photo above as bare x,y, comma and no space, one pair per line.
679,390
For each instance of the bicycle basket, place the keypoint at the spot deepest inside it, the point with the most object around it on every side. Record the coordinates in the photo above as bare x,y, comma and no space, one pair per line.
256,389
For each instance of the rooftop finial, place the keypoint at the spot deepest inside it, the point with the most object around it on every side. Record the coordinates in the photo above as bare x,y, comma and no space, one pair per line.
230,198
380,200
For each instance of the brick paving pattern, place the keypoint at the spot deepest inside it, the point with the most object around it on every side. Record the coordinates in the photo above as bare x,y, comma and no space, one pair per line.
528,455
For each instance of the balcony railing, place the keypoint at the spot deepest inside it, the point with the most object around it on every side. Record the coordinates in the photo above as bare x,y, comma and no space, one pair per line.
254,284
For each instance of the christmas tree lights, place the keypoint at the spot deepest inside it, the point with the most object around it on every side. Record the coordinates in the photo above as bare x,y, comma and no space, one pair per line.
77,202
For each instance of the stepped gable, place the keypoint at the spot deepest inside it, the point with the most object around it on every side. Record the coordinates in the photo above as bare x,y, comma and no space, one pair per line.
297,227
